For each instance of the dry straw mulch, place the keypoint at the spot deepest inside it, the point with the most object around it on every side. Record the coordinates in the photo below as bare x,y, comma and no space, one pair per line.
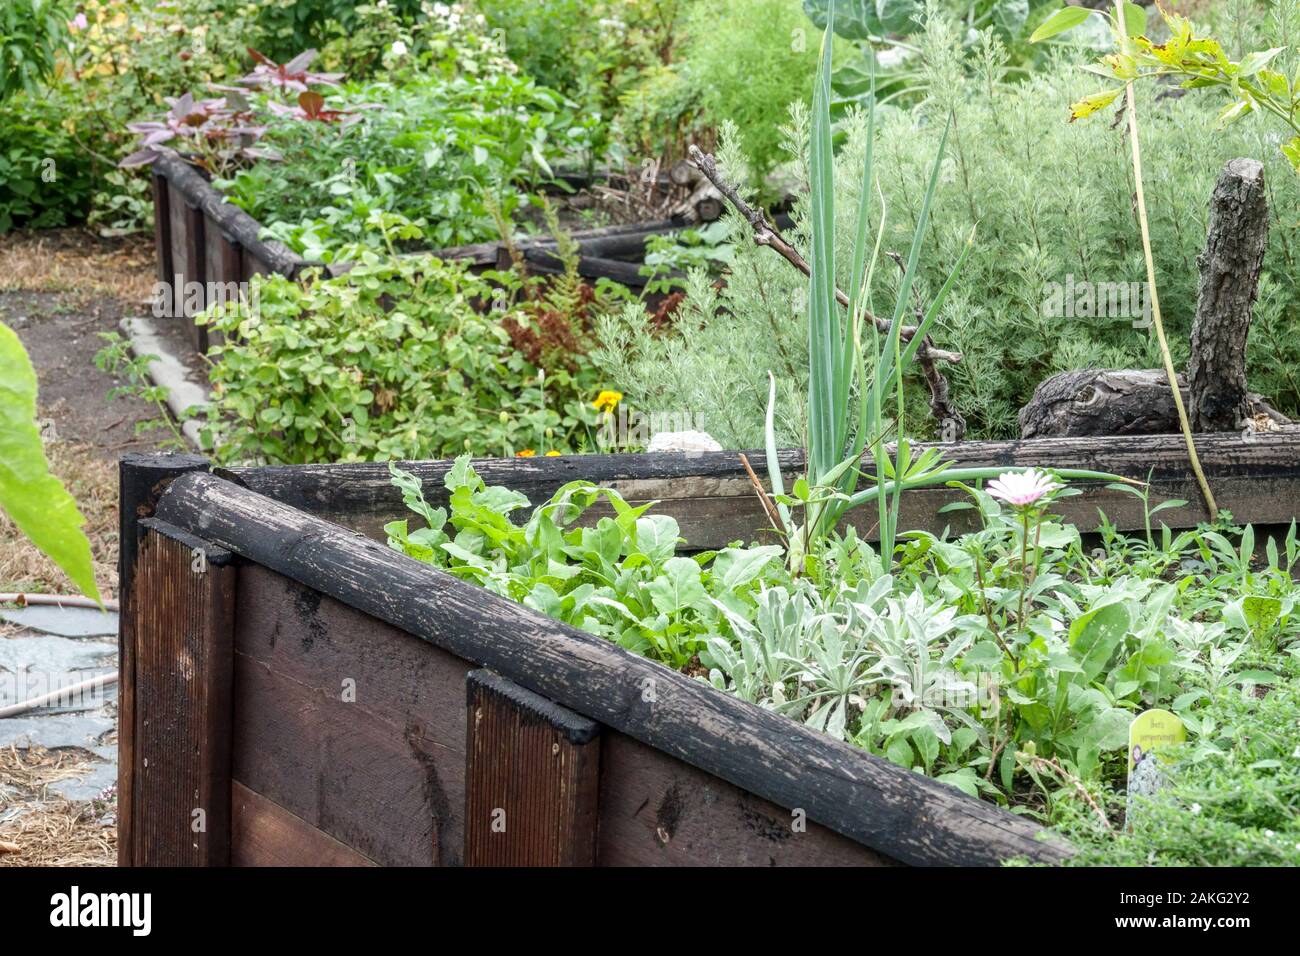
50,831
78,262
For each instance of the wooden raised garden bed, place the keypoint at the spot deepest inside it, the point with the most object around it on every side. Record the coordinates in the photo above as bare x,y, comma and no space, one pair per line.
316,698
200,238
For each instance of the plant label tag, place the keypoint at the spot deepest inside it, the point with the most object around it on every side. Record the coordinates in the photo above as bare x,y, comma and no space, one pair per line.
1147,735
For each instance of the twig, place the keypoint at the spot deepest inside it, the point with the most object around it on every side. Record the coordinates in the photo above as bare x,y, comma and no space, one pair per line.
1065,776
1157,323
766,234
762,495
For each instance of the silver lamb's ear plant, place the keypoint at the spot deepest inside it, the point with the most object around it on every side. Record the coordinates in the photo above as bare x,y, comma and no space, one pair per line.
839,366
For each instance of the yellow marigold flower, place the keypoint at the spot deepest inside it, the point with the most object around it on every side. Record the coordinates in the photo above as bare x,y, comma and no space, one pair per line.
607,400
526,453
552,454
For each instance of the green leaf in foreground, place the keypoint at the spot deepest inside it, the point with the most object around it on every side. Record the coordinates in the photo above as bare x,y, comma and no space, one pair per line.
1067,18
35,499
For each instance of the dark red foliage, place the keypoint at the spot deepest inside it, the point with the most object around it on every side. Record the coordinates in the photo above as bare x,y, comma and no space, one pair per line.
552,338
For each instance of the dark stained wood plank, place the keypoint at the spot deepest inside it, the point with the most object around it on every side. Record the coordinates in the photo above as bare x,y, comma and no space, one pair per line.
181,649
901,814
141,480
348,723
656,810
1257,478
188,182
196,275
162,240
263,833
532,778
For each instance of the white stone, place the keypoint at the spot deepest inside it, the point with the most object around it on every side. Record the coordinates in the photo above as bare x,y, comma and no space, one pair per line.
683,441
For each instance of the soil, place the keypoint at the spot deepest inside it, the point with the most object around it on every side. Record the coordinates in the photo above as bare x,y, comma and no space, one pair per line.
73,394
58,291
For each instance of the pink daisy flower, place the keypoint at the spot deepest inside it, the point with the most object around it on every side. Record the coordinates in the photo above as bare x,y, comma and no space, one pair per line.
1021,488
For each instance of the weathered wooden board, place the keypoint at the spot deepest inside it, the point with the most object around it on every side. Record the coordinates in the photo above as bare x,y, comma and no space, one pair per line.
656,810
177,674
162,238
532,778
348,723
263,833
1257,478
281,674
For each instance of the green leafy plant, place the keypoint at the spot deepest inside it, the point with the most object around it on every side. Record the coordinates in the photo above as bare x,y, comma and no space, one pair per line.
394,359
33,498
1057,229
31,35
1127,23
116,359
1253,83
840,365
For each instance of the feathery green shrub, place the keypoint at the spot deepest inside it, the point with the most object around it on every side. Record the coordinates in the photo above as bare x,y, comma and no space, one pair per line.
1051,201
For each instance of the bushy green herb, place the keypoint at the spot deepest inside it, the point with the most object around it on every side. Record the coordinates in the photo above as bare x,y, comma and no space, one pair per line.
394,359
1053,203
943,666
452,153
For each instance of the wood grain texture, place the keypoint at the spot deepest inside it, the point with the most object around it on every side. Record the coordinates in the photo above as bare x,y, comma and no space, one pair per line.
656,810
348,723
1257,478
532,778
1235,243
181,650
141,480
263,833
901,814
188,182
162,239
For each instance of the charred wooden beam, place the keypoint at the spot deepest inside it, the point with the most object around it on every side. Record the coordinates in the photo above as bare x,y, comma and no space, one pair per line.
899,813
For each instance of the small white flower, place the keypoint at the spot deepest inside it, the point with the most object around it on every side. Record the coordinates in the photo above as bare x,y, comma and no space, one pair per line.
1269,834
1196,808
399,48
1021,488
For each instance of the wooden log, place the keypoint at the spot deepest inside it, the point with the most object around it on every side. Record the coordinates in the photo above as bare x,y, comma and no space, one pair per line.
181,651
1234,253
1104,401
547,262
532,778
1257,477
901,814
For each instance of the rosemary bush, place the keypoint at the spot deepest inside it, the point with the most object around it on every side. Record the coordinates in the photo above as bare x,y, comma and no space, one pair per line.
1052,202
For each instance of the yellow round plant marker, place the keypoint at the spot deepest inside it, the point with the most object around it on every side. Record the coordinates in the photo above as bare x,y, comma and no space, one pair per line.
1149,732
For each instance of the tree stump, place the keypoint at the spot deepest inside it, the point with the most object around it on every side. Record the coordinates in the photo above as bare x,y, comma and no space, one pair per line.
1225,303
1140,401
